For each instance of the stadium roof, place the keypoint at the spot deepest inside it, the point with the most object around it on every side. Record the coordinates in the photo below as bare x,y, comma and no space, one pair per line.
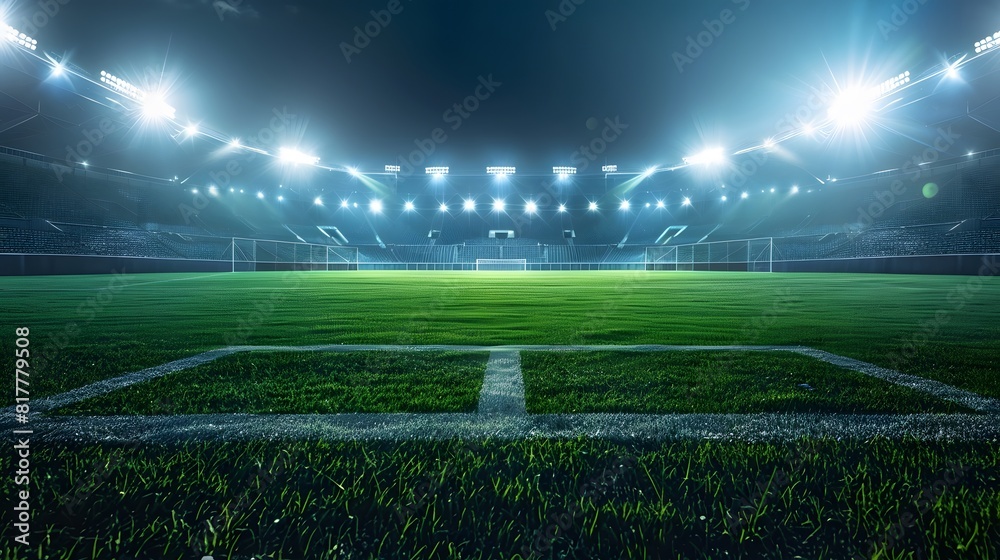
638,84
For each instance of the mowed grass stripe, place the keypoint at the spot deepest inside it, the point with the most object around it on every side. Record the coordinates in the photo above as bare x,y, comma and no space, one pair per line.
305,383
931,326
710,383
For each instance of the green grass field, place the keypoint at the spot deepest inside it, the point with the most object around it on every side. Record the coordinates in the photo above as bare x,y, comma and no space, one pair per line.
817,498
709,382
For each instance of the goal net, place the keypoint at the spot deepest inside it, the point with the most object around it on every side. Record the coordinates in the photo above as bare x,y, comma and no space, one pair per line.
501,264
262,255
745,255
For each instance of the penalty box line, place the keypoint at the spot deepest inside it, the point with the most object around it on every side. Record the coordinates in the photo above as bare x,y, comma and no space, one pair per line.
503,385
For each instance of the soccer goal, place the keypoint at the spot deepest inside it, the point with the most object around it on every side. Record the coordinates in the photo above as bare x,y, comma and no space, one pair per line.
745,255
501,264
261,255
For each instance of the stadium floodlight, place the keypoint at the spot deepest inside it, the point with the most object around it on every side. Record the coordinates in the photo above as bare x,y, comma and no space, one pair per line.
154,106
660,204
745,195
18,38
592,207
709,156
344,204
260,195
501,171
562,172
609,169
795,190
232,190
235,143
649,171
686,202
393,169
648,205
724,198
295,157
852,106
318,201
625,205
499,205
191,129
562,208
194,191
772,189
408,206
989,43
85,164
768,143
443,207
530,207
469,205
281,198
890,85
375,206
436,171
213,191
58,69
353,171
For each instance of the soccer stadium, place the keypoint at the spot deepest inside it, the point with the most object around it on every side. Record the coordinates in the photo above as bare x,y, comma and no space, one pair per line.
561,280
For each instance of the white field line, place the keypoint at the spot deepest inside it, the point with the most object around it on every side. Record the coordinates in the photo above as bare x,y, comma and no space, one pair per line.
503,386
715,425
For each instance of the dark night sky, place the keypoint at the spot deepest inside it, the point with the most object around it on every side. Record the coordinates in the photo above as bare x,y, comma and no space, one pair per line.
607,59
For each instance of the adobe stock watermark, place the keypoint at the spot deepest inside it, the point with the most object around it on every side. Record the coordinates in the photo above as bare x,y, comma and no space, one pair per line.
698,43
455,116
563,11
901,14
266,138
365,34
47,11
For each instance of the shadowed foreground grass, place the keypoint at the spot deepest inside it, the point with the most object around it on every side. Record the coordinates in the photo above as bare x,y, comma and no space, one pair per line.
818,499
710,382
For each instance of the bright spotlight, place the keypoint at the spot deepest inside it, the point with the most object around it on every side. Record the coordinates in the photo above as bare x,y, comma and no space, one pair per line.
213,191
952,72
498,205
393,169
260,195
58,69
281,198
769,143
795,190
18,38
649,171
408,206
562,208
353,171
661,204
648,205
295,157
443,207
530,207
191,129
988,43
625,205
563,176
710,156
808,129
194,191
852,107
344,204
469,205
436,171
592,207
318,201
564,172
232,190
155,107
686,202
375,206
745,195
501,171
235,143
890,85
724,198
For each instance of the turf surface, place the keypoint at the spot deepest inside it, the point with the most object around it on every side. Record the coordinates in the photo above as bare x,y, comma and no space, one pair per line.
709,382
818,499
306,383
86,328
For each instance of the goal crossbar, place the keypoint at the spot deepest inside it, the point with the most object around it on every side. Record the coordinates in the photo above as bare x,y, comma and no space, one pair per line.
501,264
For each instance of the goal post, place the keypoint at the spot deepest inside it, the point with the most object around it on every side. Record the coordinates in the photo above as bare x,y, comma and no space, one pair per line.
743,255
263,255
500,265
